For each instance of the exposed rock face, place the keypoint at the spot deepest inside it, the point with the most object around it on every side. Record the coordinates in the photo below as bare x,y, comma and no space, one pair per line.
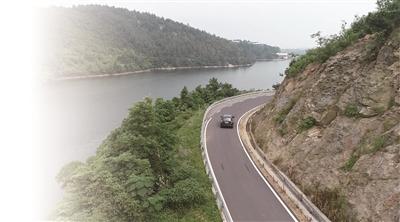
355,144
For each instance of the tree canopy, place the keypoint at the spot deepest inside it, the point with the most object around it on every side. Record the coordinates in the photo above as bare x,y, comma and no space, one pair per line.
142,171
95,39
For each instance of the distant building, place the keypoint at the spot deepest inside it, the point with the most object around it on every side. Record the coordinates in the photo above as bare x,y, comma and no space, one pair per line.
282,55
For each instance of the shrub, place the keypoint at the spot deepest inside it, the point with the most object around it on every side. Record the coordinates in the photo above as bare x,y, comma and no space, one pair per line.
381,22
276,86
351,110
306,123
185,193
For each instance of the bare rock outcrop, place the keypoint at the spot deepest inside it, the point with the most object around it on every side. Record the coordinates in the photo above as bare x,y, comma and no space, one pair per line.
352,144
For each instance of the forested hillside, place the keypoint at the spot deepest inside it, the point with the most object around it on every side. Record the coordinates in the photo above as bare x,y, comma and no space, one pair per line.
100,39
150,168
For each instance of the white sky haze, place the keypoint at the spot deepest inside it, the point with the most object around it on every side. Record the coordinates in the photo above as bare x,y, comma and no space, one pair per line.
286,23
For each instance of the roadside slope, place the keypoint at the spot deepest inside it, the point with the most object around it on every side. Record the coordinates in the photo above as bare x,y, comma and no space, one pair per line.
334,128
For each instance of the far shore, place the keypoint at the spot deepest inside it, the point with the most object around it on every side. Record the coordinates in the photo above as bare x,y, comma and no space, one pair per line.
144,71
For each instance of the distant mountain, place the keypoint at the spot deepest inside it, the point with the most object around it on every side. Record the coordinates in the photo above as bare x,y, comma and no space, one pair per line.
97,39
295,51
258,50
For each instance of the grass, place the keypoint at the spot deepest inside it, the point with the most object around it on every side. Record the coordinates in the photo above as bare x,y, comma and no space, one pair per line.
306,123
378,143
352,111
366,146
331,202
348,166
188,149
281,116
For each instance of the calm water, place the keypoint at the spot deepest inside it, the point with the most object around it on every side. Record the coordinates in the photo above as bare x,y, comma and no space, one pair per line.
78,114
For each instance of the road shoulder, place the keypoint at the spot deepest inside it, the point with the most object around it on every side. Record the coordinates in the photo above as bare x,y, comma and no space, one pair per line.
293,204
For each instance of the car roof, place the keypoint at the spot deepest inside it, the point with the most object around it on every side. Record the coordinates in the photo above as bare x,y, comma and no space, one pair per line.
226,116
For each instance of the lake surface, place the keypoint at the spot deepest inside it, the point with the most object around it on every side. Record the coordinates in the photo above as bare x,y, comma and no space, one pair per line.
77,115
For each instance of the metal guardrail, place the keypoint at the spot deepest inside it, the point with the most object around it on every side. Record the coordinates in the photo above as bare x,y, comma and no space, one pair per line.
225,214
314,214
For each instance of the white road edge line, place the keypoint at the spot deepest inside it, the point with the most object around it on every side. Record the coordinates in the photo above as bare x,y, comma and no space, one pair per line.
254,165
212,171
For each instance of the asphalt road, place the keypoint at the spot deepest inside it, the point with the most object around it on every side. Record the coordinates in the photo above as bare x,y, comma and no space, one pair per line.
245,191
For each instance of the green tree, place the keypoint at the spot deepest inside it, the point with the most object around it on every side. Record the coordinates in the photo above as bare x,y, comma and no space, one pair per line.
96,194
165,110
212,90
186,99
227,90
142,172
95,39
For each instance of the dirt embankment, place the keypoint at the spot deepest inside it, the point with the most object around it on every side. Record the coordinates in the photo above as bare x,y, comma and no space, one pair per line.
335,130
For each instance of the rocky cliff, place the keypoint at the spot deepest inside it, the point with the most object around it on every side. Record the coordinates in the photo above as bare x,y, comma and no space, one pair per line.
334,129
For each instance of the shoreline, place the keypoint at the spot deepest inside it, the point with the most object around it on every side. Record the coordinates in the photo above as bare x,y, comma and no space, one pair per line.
144,71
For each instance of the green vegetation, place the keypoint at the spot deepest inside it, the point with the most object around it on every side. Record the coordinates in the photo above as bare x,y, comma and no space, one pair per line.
96,39
348,166
351,110
372,48
330,201
382,22
258,51
150,168
306,123
369,144
281,116
276,86
379,142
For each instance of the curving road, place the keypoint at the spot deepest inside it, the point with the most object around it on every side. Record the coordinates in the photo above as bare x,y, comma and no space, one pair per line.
246,193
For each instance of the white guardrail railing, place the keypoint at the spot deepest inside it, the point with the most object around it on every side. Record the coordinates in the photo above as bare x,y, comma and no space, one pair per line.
225,214
307,208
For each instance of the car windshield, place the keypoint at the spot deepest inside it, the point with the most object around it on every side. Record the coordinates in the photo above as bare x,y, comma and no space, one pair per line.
227,117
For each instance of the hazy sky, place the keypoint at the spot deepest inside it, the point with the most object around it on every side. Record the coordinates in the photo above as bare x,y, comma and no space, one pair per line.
285,23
